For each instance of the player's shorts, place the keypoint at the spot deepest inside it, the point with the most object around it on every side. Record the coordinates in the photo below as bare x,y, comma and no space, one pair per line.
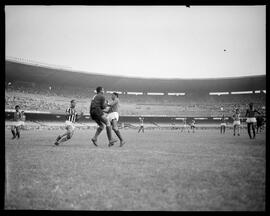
236,123
96,113
223,124
69,124
17,123
192,126
112,116
251,120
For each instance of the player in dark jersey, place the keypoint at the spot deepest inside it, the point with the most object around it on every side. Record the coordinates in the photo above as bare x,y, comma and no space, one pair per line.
98,104
71,117
141,124
113,116
260,122
251,120
17,122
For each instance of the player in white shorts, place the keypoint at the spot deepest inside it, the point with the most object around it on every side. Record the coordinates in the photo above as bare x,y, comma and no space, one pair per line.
251,120
17,123
113,117
71,117
141,124
185,125
236,122
192,125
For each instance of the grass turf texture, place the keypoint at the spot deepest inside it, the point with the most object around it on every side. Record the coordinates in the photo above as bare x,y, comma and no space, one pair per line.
157,170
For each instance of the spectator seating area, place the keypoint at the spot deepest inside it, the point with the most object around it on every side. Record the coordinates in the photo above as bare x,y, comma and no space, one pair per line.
56,99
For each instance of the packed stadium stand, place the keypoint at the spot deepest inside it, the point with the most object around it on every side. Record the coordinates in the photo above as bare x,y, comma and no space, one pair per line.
41,88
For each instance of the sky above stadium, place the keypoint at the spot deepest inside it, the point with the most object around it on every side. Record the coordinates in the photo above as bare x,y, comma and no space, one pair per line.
142,41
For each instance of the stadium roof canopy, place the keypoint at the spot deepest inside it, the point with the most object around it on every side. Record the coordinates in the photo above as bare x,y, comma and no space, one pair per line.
40,74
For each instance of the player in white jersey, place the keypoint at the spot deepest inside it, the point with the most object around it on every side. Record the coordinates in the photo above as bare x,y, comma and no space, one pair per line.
236,122
185,127
71,117
192,125
113,117
141,124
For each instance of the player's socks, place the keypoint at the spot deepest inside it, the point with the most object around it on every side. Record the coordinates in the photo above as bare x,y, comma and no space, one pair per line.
109,135
109,132
58,138
63,140
94,141
99,130
254,133
122,143
117,132
18,134
249,134
14,134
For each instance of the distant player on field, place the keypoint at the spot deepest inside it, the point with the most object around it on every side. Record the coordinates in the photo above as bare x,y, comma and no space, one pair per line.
192,125
236,122
184,125
17,122
98,104
113,116
71,117
223,124
260,122
251,120
141,124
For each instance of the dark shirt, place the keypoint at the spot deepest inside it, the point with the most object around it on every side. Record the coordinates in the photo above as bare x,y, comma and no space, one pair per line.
98,101
251,113
18,116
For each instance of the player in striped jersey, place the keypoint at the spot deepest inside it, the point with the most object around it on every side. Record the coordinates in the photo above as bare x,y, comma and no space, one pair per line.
71,117
17,122
236,122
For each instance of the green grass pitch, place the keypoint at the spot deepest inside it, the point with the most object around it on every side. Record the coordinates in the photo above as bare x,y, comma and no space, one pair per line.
159,170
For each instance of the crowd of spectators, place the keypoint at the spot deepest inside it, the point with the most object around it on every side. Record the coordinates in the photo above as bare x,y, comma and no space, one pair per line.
56,99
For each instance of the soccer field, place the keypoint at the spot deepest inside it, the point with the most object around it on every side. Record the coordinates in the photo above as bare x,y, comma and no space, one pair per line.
158,170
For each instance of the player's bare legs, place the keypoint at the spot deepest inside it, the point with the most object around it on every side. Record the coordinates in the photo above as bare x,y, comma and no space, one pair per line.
64,137
249,130
98,132
238,130
18,133
117,132
253,130
105,121
13,131
222,129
